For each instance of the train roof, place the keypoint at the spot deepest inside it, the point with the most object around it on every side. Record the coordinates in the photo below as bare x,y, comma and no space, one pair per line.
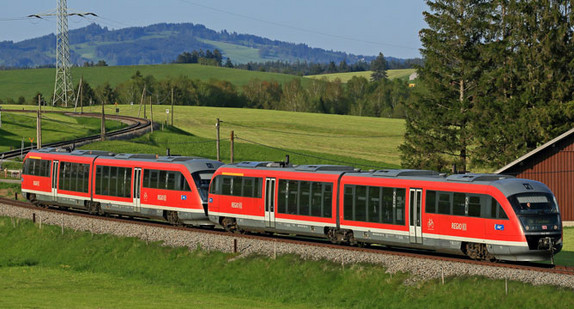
507,184
193,163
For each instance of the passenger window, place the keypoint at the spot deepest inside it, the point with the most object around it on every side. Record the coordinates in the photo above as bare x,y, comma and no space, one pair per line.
474,206
430,207
459,204
444,203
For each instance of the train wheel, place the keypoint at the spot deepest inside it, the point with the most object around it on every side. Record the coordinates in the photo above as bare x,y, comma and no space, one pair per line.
173,218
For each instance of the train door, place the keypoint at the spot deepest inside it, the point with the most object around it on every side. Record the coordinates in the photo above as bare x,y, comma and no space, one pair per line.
270,202
137,189
415,202
55,165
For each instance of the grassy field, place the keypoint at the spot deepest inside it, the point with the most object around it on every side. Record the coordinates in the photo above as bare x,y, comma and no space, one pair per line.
18,126
26,83
345,77
43,268
346,140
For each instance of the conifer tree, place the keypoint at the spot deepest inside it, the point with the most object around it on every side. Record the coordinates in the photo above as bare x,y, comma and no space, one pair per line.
438,131
379,67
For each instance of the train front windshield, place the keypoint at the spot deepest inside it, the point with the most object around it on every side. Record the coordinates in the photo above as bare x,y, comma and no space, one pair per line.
538,212
202,180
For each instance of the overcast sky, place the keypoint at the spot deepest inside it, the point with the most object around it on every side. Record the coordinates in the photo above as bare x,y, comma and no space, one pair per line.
364,27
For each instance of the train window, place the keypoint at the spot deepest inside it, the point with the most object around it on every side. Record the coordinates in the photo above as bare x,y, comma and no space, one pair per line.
400,200
74,177
474,205
317,194
349,202
459,204
387,209
113,181
305,198
327,200
430,206
37,167
293,186
496,211
374,205
444,203
360,209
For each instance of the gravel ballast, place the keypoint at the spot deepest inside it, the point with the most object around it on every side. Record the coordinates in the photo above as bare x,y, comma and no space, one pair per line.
421,269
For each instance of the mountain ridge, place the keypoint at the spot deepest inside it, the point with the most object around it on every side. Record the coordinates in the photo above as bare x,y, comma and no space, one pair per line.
161,43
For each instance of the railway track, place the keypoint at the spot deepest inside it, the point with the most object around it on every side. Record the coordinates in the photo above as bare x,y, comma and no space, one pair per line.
135,127
309,243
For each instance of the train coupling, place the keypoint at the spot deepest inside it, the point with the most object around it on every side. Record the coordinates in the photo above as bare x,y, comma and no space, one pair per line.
546,243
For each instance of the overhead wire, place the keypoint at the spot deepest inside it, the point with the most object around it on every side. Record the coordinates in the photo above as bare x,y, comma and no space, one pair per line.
306,134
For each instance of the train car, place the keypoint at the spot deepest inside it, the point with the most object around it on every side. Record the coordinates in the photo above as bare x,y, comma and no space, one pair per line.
172,188
483,216
262,196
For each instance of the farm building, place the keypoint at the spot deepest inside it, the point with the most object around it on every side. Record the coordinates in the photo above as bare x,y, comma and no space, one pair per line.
552,164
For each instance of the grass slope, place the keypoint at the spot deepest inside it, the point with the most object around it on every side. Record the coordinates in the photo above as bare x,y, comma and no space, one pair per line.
43,268
349,139
26,83
16,126
345,77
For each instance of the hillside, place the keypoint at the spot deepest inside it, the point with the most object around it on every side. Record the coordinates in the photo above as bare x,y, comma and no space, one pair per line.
161,43
27,83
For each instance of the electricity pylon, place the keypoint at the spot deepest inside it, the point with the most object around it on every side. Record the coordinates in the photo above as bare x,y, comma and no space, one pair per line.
63,90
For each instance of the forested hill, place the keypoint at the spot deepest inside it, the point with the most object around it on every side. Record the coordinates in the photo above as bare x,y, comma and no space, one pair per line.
161,43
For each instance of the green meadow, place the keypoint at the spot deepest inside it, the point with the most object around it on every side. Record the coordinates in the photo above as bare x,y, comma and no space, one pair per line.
267,135
27,83
18,127
43,268
345,77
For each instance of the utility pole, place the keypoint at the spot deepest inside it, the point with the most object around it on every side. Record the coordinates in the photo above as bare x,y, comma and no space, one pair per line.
103,131
39,124
0,116
232,146
217,125
151,113
171,107
79,97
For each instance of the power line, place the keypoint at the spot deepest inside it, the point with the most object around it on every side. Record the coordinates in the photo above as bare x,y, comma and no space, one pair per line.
296,28
308,155
306,134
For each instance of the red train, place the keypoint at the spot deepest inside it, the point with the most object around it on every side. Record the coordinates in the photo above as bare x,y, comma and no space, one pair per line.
483,216
171,188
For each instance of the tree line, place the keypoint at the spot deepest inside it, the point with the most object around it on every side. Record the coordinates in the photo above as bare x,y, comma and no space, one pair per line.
499,78
359,96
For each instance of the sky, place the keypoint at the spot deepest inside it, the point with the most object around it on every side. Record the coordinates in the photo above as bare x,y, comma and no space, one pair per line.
362,27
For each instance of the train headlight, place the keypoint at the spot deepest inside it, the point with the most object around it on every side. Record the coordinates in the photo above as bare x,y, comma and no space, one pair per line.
556,227
528,228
